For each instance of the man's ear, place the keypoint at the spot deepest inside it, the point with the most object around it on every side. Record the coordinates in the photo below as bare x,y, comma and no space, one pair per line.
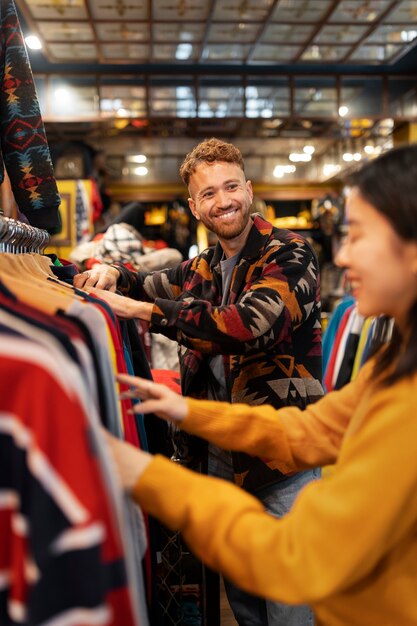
193,209
249,189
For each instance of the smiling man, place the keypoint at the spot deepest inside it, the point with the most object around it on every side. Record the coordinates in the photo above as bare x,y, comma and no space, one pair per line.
246,315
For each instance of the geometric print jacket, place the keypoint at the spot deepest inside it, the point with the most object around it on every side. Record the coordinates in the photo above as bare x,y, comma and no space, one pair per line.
24,146
269,333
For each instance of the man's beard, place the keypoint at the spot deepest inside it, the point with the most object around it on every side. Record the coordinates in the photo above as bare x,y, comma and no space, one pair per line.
228,231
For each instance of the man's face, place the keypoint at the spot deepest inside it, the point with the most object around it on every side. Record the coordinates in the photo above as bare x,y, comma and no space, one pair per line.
221,198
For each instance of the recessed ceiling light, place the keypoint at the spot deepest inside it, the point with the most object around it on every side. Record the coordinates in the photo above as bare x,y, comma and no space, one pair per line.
33,42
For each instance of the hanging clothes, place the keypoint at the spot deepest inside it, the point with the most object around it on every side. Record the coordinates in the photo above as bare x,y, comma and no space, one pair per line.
350,339
24,145
62,554
86,543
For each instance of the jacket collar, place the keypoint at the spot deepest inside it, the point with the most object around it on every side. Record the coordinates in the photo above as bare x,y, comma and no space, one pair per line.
258,237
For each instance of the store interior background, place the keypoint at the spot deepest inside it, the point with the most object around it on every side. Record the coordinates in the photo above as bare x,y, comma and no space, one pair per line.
307,89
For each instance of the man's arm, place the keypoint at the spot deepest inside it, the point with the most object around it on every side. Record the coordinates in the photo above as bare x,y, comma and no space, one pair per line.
269,309
147,286
283,296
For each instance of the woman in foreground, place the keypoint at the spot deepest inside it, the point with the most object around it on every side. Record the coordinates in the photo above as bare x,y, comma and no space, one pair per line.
349,546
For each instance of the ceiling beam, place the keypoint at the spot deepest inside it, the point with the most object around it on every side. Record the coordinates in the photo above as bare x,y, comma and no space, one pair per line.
209,22
317,29
91,22
369,30
261,31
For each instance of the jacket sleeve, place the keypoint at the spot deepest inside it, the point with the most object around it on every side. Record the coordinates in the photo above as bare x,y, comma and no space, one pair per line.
23,140
322,546
148,286
280,300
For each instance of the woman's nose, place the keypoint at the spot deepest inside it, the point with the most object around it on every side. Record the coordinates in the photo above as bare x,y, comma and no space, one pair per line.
341,258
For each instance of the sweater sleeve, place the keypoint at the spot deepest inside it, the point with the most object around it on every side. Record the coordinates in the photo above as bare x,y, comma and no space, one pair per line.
23,140
290,438
278,301
293,559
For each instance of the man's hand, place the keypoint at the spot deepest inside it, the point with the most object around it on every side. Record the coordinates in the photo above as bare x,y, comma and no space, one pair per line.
124,307
101,276
156,398
130,462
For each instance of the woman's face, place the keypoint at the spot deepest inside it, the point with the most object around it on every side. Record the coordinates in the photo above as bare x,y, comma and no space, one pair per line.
381,267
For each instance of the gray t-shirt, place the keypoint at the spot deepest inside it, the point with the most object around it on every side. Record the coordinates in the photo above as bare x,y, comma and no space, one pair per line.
217,389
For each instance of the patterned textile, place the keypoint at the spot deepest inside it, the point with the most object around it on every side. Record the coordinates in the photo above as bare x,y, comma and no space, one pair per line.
82,210
269,334
121,242
24,145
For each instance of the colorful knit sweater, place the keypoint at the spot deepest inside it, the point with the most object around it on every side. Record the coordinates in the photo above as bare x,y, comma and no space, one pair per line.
269,333
23,141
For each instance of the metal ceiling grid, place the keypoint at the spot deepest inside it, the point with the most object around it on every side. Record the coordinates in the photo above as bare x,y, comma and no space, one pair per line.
246,32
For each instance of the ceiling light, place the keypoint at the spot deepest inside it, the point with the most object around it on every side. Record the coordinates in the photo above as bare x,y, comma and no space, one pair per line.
137,158
368,149
408,35
357,156
280,170
221,109
183,51
330,168
62,94
183,92
299,156
251,92
33,42
343,111
205,110
309,149
348,156
141,171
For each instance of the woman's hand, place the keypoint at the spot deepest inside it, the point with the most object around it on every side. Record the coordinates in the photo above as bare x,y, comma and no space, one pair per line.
156,398
101,276
130,461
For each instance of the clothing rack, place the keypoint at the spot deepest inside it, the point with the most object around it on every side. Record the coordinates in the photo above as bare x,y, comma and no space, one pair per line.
18,237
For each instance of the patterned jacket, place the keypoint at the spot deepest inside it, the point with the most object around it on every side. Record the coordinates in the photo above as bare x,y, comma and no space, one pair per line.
269,333
24,146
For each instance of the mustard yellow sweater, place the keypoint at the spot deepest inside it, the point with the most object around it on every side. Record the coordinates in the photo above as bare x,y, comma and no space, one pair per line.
349,546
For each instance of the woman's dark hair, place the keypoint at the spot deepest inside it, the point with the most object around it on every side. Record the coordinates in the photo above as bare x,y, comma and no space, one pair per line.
389,183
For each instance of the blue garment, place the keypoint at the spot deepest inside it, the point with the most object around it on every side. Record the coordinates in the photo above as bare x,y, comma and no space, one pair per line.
331,330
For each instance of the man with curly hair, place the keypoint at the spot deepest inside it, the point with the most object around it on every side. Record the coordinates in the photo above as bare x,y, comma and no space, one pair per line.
246,316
